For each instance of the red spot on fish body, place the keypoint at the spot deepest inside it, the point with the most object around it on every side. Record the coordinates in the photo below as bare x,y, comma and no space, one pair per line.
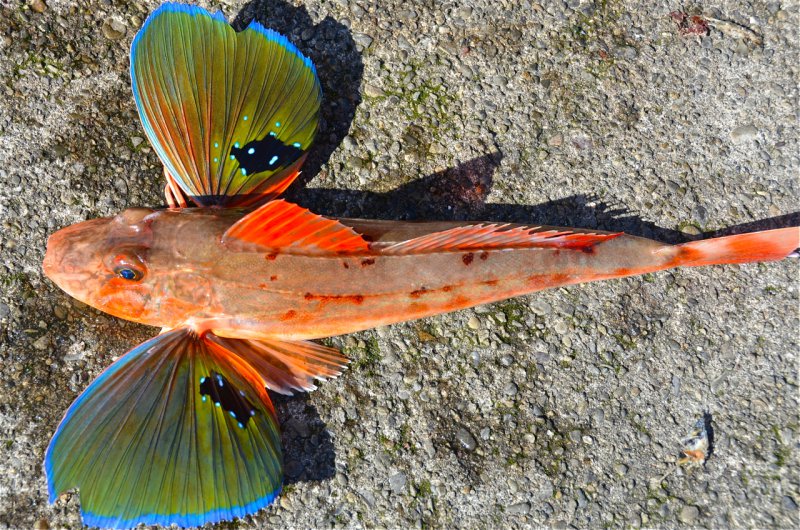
273,278
357,299
549,280
272,256
346,265
418,293
367,262
484,256
262,285
490,282
290,314
447,288
467,258
461,301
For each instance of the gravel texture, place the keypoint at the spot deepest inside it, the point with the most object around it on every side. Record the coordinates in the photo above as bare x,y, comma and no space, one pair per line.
563,409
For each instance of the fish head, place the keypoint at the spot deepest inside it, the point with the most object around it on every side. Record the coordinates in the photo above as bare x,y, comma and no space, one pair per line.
104,263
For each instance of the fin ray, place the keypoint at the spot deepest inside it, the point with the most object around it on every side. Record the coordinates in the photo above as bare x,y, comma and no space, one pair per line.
143,447
285,227
496,237
229,114
286,366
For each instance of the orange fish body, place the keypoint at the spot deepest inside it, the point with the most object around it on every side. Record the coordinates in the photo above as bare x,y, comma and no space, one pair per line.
198,279
180,430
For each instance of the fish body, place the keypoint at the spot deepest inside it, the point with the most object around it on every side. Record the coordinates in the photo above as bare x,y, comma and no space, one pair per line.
195,278
180,430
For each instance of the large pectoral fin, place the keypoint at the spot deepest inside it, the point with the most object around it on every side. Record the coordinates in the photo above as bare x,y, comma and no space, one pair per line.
231,115
177,431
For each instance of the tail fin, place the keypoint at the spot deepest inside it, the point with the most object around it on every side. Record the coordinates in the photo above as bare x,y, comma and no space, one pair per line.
769,245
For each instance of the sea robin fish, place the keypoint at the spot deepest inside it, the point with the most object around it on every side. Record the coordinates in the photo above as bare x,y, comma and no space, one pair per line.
180,430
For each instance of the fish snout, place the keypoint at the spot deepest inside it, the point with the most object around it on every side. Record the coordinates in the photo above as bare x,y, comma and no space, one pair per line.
73,252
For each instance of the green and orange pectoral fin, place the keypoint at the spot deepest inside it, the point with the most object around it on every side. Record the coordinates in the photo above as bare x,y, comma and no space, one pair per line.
174,432
286,366
497,237
281,226
231,115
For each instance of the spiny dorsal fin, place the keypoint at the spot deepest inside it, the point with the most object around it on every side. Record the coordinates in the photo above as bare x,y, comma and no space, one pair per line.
496,237
231,115
285,227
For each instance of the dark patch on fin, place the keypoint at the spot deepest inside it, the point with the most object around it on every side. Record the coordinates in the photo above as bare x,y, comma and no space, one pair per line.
224,394
267,154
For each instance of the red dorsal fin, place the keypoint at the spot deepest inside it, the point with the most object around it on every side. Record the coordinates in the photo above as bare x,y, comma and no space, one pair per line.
286,227
496,237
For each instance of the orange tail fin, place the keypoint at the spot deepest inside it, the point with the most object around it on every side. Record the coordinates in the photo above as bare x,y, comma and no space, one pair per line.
768,245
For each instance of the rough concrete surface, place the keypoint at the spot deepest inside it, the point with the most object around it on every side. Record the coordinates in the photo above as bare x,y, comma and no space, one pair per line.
561,409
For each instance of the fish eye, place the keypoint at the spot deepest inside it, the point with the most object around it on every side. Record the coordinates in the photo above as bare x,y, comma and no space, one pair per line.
128,273
127,264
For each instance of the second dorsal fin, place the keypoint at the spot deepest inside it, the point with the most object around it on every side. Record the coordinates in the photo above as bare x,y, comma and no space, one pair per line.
496,237
285,227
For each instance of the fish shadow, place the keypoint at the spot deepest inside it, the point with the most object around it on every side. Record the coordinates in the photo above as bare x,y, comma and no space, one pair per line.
331,47
460,194
308,450
707,420
456,194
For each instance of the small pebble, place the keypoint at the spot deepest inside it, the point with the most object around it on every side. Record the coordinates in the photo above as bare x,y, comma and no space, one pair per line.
744,133
397,482
362,39
466,439
40,7
113,29
519,508
688,514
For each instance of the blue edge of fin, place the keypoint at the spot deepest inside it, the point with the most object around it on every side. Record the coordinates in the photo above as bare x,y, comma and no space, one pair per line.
182,520
172,7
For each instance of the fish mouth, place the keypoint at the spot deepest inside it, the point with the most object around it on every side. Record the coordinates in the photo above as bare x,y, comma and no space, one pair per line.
73,253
